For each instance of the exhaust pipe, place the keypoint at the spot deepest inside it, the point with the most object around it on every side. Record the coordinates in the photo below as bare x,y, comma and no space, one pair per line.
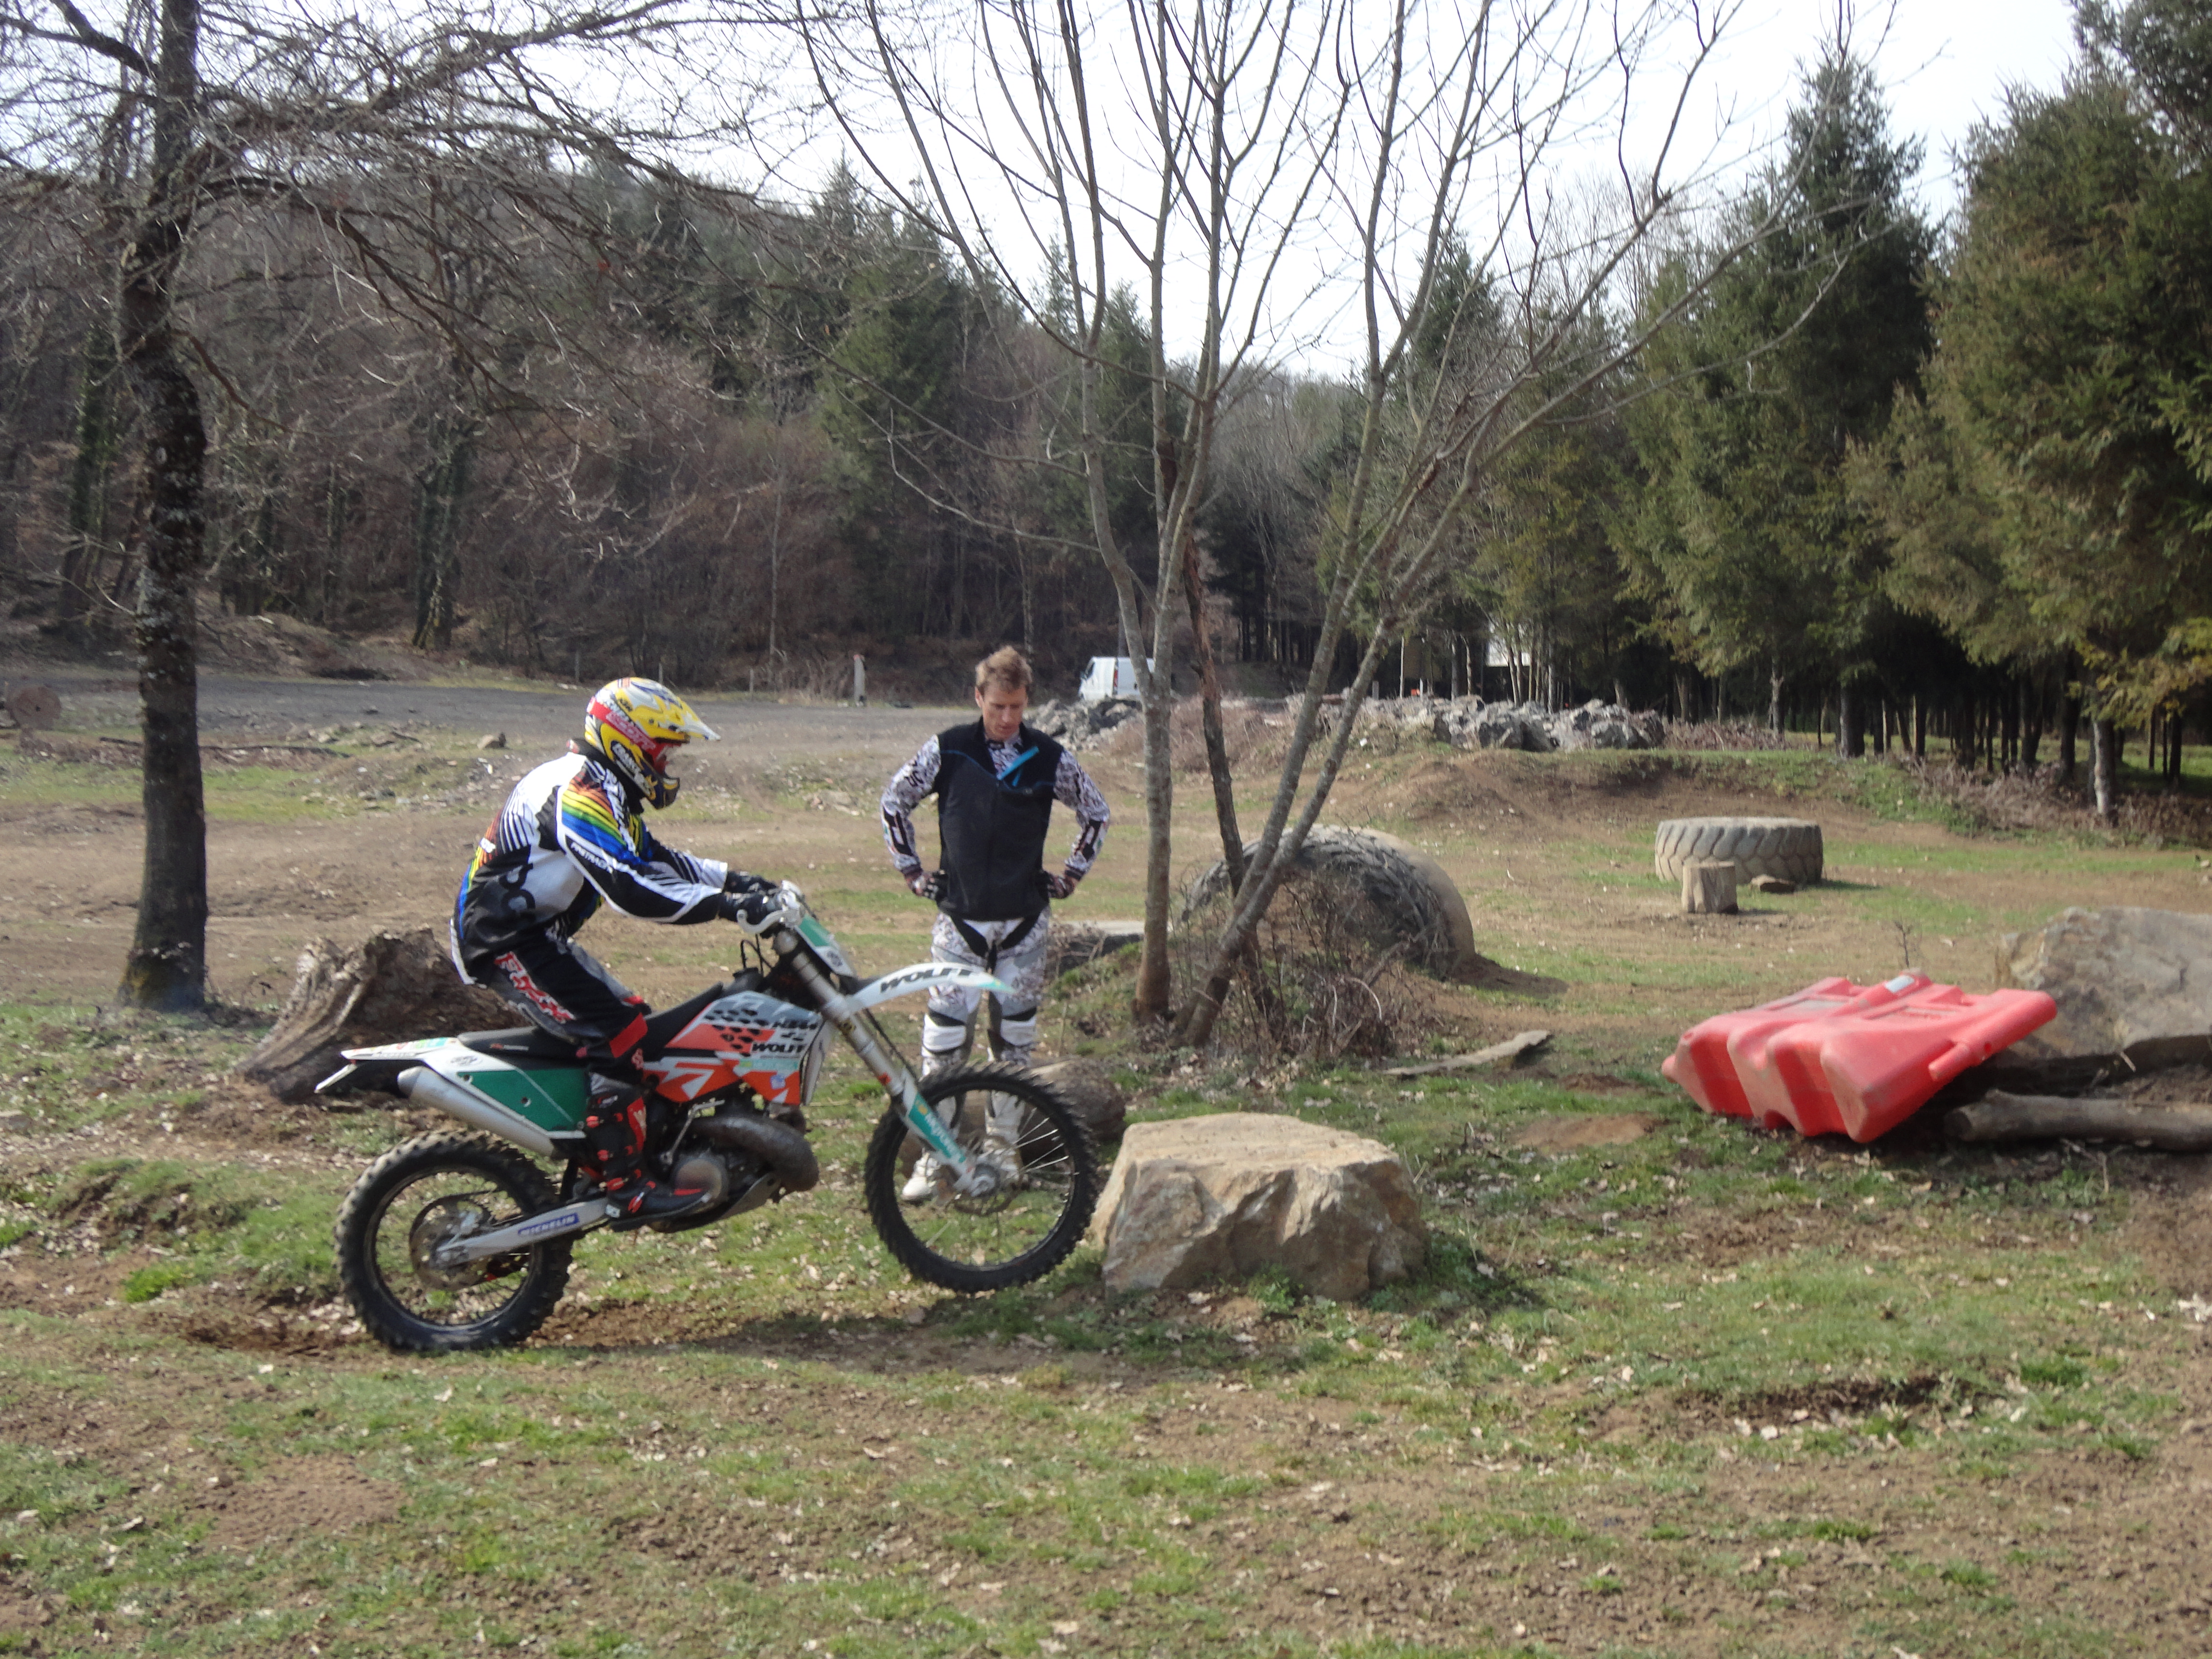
478,1111
782,1148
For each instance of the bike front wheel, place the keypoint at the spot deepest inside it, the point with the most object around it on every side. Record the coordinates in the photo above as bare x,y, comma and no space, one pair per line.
1018,1233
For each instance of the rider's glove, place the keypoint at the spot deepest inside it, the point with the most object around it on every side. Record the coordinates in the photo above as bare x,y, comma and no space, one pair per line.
927,885
1059,884
744,881
750,910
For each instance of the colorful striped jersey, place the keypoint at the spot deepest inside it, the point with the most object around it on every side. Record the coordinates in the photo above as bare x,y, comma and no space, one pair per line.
567,840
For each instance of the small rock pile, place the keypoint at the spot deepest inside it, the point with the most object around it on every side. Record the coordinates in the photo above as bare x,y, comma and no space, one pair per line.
1463,722
1471,723
1082,725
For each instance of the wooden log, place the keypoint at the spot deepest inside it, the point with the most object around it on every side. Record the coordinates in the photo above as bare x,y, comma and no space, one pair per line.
2001,1117
1708,888
1512,1051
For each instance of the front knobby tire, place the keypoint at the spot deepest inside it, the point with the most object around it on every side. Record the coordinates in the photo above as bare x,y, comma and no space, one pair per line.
436,1184
1018,1234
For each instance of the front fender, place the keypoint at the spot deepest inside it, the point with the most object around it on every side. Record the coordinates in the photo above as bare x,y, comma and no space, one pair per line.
925,976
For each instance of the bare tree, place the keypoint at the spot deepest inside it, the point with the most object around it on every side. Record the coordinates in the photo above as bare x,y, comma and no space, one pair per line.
1278,175
341,123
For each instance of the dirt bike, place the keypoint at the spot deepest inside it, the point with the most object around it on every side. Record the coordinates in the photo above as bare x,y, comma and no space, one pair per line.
458,1240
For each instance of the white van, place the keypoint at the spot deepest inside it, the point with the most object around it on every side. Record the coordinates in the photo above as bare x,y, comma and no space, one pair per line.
1108,677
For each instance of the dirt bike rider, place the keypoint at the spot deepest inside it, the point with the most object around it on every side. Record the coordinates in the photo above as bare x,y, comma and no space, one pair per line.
995,781
571,836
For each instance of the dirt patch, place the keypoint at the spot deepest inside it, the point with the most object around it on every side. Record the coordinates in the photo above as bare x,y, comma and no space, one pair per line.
1601,1082
320,1495
1576,1133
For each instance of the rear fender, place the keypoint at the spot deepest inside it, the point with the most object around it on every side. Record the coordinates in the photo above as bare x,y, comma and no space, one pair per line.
379,1068
925,976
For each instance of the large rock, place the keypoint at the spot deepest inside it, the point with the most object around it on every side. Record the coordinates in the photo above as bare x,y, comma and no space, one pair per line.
1206,1199
2134,989
1409,895
391,987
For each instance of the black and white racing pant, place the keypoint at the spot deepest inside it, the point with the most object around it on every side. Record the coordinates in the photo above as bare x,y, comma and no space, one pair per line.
1014,952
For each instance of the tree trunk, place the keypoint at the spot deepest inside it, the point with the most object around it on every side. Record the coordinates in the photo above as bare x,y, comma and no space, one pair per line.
96,435
1774,699
1963,732
1216,747
2105,767
166,967
2069,728
2009,737
1851,722
441,489
1919,727
2030,720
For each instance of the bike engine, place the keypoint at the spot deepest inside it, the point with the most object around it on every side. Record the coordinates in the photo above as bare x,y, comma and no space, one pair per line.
732,1180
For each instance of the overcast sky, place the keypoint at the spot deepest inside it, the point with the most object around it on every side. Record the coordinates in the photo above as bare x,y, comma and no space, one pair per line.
1945,66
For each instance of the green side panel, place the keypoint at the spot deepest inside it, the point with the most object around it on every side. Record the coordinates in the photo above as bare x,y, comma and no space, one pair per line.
551,1096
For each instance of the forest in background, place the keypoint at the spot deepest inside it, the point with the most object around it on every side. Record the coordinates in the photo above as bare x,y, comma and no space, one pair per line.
1884,477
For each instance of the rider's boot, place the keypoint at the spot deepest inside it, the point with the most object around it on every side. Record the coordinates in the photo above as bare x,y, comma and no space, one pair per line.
617,1136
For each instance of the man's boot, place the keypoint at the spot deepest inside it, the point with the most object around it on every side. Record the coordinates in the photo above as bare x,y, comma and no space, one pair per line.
616,1140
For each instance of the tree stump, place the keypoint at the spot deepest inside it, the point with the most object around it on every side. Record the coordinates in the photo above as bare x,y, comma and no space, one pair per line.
1708,888
391,987
34,707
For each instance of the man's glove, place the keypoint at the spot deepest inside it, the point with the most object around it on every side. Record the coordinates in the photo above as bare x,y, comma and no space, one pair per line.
1059,884
750,910
927,885
744,881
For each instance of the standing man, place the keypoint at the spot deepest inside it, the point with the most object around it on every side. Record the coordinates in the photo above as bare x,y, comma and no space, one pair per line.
995,781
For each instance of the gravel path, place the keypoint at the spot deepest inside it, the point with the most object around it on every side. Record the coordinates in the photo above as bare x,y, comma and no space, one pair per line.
533,717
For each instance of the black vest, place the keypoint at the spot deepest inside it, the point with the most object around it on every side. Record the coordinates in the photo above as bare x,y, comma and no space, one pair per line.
990,829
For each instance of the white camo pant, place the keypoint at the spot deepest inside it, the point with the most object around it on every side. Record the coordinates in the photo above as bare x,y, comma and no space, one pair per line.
944,1024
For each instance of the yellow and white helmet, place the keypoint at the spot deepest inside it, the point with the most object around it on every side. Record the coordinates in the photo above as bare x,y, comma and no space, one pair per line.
635,725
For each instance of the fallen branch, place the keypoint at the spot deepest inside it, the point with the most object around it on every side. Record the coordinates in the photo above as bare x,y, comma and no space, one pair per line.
2001,1117
1510,1051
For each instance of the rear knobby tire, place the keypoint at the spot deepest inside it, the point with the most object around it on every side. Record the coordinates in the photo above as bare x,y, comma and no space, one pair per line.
480,1184
1017,1236
1786,848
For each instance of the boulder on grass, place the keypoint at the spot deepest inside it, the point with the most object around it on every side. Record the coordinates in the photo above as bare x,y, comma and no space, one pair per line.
2132,989
391,987
1207,1198
1407,894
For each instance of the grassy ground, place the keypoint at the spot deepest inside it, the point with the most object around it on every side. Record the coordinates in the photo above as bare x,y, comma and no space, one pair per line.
1666,1385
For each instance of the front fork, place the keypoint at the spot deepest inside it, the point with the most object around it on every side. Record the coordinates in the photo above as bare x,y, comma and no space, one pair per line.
975,1177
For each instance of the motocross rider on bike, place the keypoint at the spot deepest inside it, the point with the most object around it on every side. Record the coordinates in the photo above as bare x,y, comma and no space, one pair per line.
571,836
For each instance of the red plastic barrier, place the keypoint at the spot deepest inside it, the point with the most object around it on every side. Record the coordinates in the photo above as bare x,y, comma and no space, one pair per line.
1782,1081
1881,1063
1701,1062
1840,1058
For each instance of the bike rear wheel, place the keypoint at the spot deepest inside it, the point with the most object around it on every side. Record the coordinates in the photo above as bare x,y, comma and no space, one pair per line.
435,1188
1018,1234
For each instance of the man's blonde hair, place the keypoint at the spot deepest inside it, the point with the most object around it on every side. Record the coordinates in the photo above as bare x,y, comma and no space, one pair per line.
1006,668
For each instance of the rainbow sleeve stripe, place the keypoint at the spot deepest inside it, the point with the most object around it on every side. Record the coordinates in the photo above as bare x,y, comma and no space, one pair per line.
585,813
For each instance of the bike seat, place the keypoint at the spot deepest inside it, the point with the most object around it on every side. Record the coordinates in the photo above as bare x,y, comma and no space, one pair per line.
520,1042
529,1042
